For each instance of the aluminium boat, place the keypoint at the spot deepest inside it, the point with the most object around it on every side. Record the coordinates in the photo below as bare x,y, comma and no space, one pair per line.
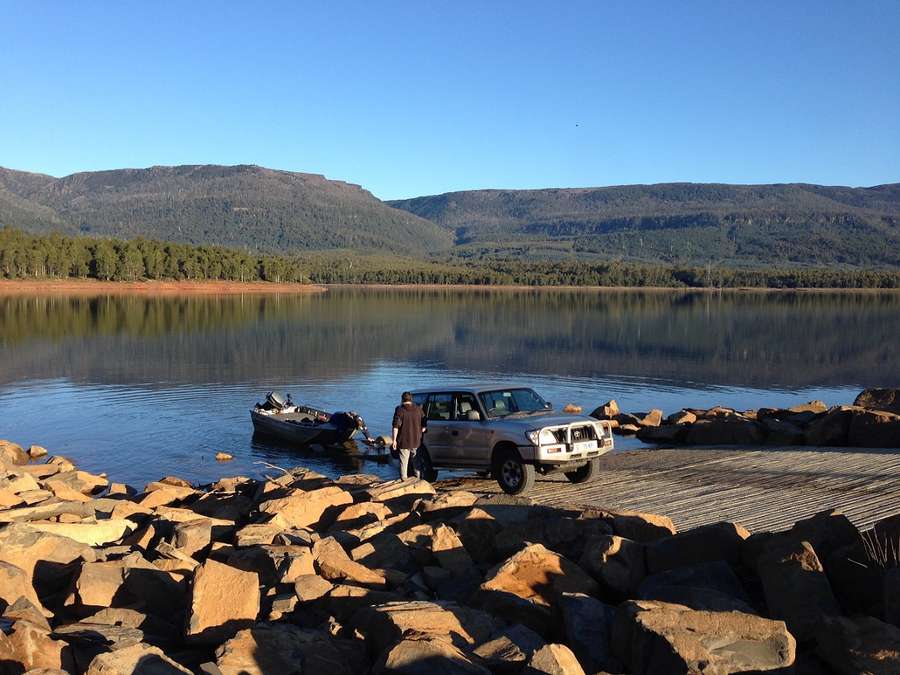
280,418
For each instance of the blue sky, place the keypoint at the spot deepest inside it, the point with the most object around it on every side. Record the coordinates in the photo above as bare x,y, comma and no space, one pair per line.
413,98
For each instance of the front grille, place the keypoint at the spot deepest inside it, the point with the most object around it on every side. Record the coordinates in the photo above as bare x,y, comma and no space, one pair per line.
585,433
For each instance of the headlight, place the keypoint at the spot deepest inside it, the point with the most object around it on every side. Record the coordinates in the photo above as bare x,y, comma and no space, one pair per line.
540,437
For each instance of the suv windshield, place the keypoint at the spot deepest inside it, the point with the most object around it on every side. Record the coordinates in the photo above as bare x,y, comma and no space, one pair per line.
504,402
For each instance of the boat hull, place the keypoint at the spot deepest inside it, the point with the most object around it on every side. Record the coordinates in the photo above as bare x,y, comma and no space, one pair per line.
298,434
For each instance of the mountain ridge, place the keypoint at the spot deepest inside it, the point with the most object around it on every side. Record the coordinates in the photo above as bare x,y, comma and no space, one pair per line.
679,222
241,205
275,211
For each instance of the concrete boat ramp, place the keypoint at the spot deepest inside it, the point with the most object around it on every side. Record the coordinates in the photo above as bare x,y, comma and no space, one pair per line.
760,488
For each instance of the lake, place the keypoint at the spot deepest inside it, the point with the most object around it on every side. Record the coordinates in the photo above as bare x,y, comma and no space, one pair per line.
143,387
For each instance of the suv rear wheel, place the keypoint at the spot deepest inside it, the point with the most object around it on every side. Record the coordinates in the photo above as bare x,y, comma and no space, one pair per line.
426,469
583,474
513,475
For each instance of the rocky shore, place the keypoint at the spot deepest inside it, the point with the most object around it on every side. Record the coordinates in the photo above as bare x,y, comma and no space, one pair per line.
298,573
873,421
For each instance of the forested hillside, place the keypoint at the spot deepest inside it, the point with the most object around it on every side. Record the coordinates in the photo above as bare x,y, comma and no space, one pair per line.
263,211
259,209
54,256
678,223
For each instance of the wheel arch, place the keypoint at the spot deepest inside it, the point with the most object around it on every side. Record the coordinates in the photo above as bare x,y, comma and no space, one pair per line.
502,446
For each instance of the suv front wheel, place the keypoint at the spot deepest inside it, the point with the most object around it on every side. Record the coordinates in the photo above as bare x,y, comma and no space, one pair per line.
583,474
513,475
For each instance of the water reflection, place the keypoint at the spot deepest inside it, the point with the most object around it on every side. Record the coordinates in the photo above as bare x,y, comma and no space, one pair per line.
144,386
786,340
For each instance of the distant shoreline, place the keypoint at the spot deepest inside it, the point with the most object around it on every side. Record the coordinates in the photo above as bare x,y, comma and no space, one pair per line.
649,289
95,287
158,287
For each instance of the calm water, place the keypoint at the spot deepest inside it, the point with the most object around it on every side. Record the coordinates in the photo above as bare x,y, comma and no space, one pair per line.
143,387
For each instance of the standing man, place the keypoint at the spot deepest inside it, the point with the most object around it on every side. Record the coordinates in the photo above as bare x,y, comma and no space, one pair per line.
408,427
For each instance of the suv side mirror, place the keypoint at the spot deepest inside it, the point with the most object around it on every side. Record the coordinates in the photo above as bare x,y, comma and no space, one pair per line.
473,415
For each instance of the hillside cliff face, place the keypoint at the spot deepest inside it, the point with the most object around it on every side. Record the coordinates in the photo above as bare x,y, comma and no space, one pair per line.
681,222
243,206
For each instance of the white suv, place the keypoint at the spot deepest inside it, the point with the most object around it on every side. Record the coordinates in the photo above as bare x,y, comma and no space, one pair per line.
510,432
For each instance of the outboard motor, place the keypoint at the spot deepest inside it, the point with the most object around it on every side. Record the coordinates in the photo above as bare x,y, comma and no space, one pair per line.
278,401
347,421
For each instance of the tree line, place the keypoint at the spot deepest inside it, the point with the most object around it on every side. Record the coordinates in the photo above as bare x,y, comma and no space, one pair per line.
29,256
32,256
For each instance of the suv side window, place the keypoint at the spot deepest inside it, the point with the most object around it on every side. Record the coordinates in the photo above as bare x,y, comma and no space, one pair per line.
440,407
464,404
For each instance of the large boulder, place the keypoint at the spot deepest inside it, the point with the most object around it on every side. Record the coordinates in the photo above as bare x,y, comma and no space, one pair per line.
449,551
830,429
718,541
285,649
383,625
539,575
874,429
607,411
617,563
588,624
681,417
652,419
397,489
306,509
344,600
864,644
553,659
224,600
12,453
667,433
795,587
427,655
783,432
29,646
334,564
357,515
711,586
15,584
309,587
657,637
92,534
477,530
193,536
128,582
887,400
826,532
642,527
509,650
385,549
724,431
445,505
25,609
48,560
138,659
